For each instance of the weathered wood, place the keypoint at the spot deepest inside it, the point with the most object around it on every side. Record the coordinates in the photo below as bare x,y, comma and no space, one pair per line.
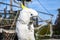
15,18
4,12
9,4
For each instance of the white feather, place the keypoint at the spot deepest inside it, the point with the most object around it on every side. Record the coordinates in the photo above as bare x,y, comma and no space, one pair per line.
22,30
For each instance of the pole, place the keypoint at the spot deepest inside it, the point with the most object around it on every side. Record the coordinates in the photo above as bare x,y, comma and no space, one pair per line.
10,6
5,12
23,2
37,22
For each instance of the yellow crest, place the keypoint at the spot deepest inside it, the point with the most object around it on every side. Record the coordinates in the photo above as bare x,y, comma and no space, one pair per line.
23,7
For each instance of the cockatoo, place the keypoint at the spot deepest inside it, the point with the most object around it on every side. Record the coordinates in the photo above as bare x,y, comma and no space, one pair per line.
24,25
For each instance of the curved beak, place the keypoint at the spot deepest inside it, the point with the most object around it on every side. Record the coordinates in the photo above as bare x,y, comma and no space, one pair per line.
34,18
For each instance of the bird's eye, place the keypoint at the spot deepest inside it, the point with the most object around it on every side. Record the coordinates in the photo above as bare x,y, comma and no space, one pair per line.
31,14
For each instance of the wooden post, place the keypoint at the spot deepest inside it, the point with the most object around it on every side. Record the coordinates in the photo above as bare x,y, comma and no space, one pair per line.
11,6
37,22
5,12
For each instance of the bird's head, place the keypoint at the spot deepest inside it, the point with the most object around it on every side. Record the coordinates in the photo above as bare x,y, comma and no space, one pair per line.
33,14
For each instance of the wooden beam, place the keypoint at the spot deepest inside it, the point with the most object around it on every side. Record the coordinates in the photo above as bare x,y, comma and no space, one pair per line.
7,19
2,26
9,4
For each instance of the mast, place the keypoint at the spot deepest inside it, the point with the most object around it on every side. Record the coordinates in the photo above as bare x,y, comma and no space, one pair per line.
11,6
57,23
5,12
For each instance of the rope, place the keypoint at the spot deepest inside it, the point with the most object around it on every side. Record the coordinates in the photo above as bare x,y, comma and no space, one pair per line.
43,6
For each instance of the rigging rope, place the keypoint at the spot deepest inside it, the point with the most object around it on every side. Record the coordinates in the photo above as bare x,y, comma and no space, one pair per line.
43,6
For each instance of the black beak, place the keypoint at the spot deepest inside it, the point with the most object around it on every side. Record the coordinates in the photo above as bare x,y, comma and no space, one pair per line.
33,18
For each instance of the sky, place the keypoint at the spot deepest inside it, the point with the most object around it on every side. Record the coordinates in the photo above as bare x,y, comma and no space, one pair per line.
51,5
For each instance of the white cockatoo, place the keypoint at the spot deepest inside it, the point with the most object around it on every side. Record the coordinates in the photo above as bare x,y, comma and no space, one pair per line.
24,30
